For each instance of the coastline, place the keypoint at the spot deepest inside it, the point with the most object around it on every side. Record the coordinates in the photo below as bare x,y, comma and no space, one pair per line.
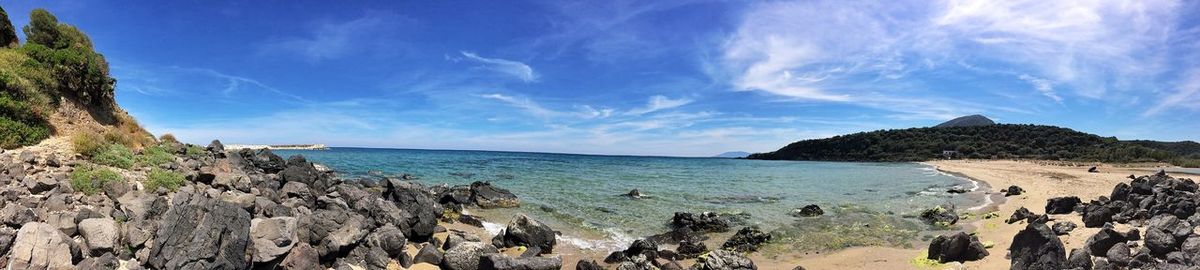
1041,182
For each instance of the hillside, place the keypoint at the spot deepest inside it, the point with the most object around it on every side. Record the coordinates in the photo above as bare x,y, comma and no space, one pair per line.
56,84
967,121
733,154
999,141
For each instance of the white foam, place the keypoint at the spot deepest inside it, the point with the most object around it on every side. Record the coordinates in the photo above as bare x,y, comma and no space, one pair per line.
987,200
493,229
615,241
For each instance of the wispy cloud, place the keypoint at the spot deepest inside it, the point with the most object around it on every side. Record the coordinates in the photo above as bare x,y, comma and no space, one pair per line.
524,104
516,69
175,80
1186,95
659,102
1043,86
803,49
330,40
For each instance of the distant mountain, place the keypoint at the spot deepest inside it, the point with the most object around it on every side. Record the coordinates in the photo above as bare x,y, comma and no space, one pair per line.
733,154
995,141
967,121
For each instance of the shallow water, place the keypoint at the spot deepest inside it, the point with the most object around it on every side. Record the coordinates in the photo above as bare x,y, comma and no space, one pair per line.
579,194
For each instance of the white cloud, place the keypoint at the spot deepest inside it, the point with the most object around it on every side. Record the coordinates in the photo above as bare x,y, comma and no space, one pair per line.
523,103
659,102
1042,86
175,81
1187,95
330,40
516,69
824,50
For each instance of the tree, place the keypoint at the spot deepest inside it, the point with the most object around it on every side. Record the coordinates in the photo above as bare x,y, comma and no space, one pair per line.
8,33
42,29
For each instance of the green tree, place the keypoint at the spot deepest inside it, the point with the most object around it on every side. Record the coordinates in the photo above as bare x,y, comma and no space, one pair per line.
42,29
8,33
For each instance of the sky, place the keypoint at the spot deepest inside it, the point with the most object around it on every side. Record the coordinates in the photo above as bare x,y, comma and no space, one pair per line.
662,77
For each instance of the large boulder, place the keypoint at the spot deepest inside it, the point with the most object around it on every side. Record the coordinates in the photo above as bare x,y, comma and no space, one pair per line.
1103,240
1036,248
1160,242
940,216
527,232
201,233
724,260
1021,214
1013,191
466,256
690,249
102,234
957,247
503,262
424,211
428,254
1063,227
302,257
344,237
1095,215
588,265
484,195
747,239
1061,205
268,161
811,210
703,222
42,246
1080,259
16,215
272,237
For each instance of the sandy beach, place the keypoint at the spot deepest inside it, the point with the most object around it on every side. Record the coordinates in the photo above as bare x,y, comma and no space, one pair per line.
1041,180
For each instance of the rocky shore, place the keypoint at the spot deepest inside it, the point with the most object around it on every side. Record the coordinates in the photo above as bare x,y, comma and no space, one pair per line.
252,209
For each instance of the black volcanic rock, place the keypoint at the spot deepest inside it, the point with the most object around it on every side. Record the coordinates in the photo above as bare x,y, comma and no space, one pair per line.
967,121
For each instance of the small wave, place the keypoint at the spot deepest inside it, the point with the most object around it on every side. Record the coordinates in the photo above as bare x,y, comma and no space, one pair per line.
492,228
987,200
615,241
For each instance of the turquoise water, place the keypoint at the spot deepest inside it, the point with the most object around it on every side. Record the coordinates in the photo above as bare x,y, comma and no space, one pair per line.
579,194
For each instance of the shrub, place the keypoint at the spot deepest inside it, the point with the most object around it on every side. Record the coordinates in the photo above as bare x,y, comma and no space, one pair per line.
115,155
113,136
195,151
167,138
19,124
8,34
88,143
154,156
90,179
163,178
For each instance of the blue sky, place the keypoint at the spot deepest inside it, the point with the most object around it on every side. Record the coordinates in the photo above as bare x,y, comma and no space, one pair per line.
690,78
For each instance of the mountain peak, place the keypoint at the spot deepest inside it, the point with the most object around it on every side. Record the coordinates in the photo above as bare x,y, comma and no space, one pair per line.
968,121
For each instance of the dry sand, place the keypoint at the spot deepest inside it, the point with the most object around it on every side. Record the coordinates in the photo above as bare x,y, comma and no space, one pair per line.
1041,181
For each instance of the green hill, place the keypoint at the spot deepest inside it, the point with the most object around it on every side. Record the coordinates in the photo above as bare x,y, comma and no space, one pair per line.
999,141
56,84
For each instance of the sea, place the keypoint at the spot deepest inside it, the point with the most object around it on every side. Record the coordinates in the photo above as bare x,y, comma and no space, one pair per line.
580,195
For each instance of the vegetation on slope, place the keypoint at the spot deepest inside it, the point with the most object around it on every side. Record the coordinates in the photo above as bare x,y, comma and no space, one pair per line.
56,64
1003,141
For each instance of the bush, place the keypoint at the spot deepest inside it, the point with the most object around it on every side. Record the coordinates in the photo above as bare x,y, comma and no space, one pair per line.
163,178
90,179
115,155
154,156
88,143
113,136
19,124
195,151
167,138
